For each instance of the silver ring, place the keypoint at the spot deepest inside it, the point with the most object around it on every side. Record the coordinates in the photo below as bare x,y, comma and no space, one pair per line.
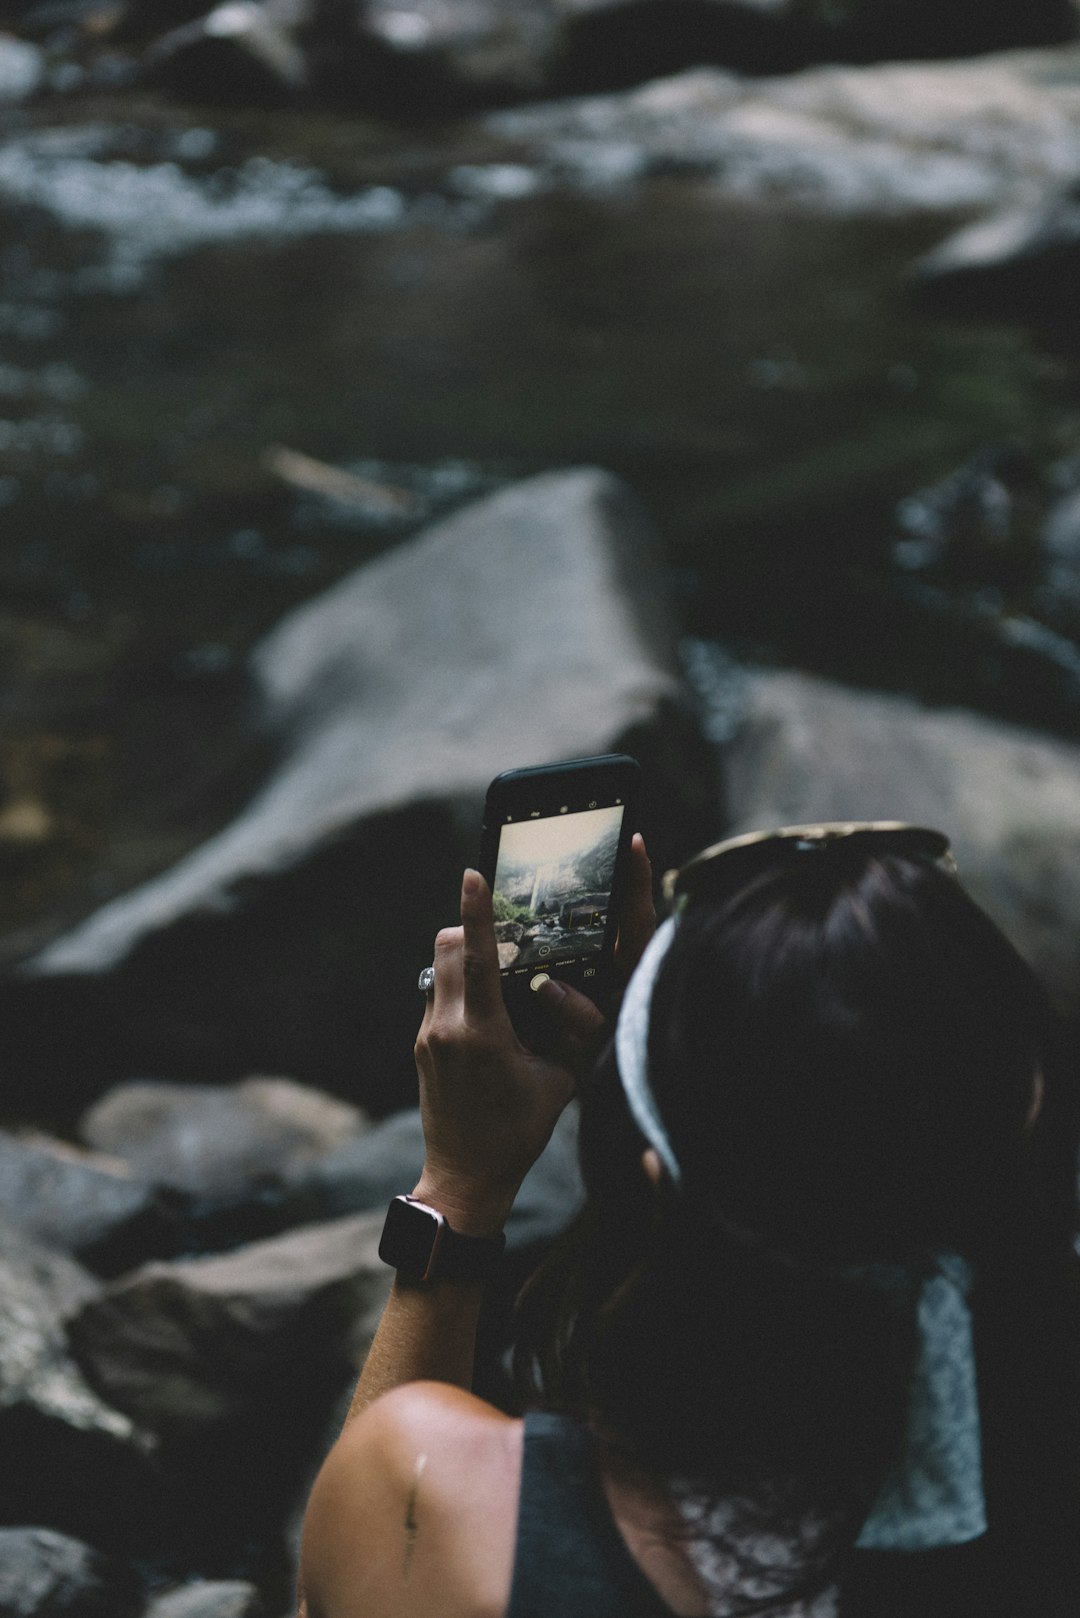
426,981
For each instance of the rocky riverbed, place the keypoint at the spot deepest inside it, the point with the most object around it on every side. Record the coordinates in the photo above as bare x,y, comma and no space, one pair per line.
391,394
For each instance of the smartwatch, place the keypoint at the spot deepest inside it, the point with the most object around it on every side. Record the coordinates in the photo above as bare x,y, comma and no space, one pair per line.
418,1242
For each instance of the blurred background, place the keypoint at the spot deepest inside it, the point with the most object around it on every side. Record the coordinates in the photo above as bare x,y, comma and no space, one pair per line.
388,239
298,287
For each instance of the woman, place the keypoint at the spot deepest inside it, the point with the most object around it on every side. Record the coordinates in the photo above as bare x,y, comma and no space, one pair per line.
813,1344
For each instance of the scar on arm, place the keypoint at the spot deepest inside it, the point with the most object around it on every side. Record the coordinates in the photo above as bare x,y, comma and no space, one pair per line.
412,1527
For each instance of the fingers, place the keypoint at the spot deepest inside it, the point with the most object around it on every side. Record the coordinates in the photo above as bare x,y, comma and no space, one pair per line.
579,1022
639,914
482,989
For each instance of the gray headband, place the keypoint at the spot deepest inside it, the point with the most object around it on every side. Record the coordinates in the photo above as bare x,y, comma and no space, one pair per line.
933,1495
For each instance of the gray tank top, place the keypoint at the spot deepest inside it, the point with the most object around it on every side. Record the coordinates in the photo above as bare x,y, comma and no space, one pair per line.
571,1560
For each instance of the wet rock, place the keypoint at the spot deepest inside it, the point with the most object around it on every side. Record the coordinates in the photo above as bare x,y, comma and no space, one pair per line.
239,51
85,1203
1020,263
886,139
223,1598
531,625
212,1141
980,524
435,53
44,1574
22,70
71,1461
1008,798
201,1348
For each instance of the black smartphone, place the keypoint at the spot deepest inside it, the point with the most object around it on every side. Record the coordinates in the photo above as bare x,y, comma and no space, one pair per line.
555,849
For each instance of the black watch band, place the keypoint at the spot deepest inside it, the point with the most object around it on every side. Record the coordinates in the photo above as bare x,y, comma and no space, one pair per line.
420,1245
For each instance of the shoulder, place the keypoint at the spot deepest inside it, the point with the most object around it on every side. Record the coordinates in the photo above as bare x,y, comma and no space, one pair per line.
415,1510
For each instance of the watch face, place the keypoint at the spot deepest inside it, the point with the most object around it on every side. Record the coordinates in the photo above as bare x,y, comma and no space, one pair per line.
410,1237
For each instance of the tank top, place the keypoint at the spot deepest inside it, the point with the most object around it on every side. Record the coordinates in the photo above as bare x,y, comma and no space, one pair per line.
571,1560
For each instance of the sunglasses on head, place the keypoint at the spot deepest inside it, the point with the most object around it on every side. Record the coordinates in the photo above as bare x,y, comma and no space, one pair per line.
757,851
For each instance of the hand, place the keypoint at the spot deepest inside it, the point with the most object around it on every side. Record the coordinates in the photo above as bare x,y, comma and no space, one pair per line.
488,1104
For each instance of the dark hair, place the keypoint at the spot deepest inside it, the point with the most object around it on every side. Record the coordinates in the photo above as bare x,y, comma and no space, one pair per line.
843,1052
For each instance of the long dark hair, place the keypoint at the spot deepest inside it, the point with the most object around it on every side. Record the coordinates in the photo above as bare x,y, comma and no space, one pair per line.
843,1051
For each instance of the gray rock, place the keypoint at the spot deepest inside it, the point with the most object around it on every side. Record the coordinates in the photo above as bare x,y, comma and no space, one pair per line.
465,50
1021,262
889,139
239,50
531,625
247,1341
89,1205
1009,799
22,70
223,1598
44,1574
71,1461
385,1161
214,1142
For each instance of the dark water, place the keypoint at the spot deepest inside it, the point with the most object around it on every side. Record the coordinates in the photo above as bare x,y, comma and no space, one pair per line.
178,301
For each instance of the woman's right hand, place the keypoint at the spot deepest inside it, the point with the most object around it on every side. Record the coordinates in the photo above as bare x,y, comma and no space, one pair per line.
487,1103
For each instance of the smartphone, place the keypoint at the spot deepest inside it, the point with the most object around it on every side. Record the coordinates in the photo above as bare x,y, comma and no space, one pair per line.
555,849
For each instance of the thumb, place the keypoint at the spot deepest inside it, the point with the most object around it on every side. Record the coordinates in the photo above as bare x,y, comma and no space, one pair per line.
579,1023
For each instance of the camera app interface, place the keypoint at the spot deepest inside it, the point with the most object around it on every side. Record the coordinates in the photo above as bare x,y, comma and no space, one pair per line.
552,888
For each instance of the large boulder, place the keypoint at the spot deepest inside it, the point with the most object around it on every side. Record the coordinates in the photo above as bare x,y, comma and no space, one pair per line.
893,138
216,1142
88,1204
529,626
236,1362
197,1348
1009,799
72,1462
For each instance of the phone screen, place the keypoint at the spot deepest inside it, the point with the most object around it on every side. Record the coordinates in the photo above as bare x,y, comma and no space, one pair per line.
554,874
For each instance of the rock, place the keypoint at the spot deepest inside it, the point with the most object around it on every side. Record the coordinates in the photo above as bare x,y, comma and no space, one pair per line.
87,1204
370,1169
980,524
47,1575
224,1598
237,1362
434,53
202,1347
531,625
239,51
22,70
71,1462
1009,799
880,140
1020,263
213,1142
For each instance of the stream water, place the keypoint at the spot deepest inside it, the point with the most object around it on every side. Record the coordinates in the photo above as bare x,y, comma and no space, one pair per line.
180,302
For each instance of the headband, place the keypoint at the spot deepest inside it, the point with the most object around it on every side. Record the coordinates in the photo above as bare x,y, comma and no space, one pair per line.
933,1495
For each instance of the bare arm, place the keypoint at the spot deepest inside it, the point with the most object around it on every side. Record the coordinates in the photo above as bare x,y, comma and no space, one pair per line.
488,1107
